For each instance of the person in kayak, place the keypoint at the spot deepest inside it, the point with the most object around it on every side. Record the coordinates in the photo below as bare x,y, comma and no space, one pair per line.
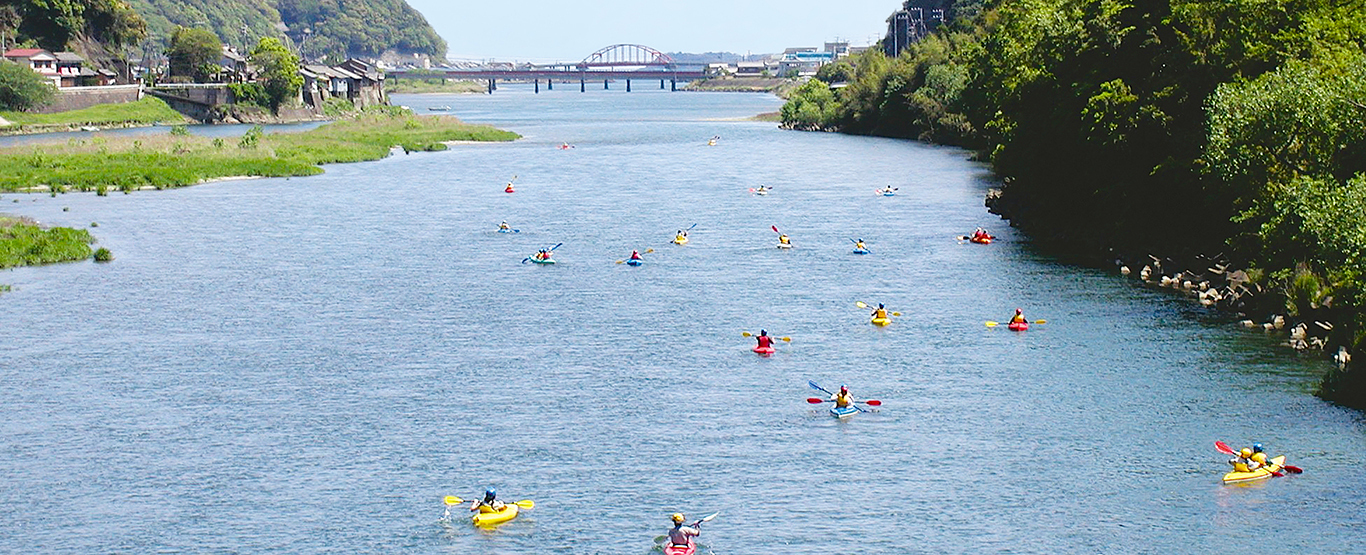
765,342
1019,317
843,399
490,503
880,312
1258,455
1245,461
681,236
543,254
858,245
981,234
504,225
783,239
635,255
681,535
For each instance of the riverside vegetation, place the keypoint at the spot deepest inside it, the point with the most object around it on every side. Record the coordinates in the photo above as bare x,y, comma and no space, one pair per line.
147,111
1182,127
24,243
180,159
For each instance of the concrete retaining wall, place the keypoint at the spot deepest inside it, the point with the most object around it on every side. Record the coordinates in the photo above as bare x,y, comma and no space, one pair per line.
75,98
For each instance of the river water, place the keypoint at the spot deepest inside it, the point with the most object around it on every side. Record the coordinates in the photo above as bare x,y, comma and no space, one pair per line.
308,365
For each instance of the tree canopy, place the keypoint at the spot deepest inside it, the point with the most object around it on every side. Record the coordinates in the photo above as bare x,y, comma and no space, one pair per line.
194,53
22,88
279,71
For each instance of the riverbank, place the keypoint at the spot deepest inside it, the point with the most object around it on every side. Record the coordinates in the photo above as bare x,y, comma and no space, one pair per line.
430,86
177,160
142,113
24,243
775,85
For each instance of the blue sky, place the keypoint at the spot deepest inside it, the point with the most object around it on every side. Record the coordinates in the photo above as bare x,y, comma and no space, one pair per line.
569,30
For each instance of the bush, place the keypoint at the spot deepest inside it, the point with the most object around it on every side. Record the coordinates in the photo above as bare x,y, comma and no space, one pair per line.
251,138
103,255
338,107
252,94
23,89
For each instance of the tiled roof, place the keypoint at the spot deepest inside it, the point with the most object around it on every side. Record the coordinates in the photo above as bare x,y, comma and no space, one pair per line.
29,53
69,57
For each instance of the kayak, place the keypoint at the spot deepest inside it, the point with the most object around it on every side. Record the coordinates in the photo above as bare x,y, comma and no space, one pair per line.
784,245
546,261
1264,472
500,230
671,549
889,193
680,240
509,512
860,251
1018,326
761,192
881,322
509,190
981,240
845,412
632,262
765,350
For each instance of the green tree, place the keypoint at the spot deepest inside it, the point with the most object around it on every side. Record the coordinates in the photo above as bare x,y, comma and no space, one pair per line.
279,71
194,53
22,88
811,107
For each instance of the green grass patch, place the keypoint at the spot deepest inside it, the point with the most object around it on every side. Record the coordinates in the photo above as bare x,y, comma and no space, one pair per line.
420,86
146,111
166,161
23,243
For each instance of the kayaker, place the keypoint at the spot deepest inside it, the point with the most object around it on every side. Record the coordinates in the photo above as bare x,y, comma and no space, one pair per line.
859,245
765,342
783,240
635,255
843,399
504,225
681,535
490,503
1019,317
880,312
682,235
1245,462
981,234
1258,455
509,188
543,254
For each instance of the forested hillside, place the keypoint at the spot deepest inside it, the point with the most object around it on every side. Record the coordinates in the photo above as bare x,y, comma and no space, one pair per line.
1172,127
339,30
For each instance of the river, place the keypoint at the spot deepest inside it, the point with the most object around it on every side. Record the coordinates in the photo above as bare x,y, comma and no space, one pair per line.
308,365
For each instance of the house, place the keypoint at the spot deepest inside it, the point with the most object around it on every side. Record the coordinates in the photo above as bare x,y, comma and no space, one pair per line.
718,69
751,69
38,60
234,66
805,62
72,71
369,90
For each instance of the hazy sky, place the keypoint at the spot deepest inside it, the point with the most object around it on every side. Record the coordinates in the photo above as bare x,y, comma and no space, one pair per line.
569,30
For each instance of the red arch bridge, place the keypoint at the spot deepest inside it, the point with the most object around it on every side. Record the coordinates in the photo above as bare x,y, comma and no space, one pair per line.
613,63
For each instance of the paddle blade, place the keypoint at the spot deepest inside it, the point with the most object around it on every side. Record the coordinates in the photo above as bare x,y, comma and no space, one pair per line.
1224,448
896,314
787,339
861,304
621,262
746,334
775,229
526,504
453,500
993,324
1293,469
709,517
814,400
648,251
873,403
1041,321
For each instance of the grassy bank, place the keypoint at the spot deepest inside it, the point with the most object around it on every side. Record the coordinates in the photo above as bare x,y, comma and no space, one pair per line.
177,160
23,243
420,86
147,111
779,86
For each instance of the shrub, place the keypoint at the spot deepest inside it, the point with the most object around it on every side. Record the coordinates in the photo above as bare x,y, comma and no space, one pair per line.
103,255
23,89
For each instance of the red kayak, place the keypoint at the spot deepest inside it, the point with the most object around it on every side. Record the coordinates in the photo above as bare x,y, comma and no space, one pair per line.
982,240
1018,326
765,351
672,549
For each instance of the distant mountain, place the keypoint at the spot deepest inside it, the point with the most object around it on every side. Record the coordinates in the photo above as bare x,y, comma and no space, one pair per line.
321,28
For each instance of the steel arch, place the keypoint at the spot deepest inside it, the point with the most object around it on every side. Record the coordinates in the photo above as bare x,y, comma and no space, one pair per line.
627,55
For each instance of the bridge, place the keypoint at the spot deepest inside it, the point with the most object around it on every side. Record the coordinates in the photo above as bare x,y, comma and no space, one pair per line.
612,63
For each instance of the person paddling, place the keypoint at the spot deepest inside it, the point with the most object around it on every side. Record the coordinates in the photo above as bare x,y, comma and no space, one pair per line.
635,255
880,312
509,188
783,239
504,226
490,503
765,342
680,535
681,236
1246,461
858,245
1019,317
543,254
843,399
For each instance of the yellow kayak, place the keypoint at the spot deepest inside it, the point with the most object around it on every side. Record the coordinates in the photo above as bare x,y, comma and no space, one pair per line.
881,322
681,240
1262,473
493,518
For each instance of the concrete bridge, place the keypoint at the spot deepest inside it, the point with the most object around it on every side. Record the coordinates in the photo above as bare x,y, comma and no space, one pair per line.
619,62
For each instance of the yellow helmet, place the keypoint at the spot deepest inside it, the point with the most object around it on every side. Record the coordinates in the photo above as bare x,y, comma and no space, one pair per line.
1246,452
678,518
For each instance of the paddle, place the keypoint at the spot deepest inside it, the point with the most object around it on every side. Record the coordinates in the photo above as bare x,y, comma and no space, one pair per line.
869,402
525,503
991,324
827,392
862,304
662,539
647,251
1225,449
748,334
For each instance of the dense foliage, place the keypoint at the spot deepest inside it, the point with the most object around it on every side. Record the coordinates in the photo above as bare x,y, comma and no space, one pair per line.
321,28
22,88
1236,126
278,71
52,24
194,53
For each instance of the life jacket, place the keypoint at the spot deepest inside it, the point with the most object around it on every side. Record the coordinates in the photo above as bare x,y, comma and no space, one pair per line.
784,240
843,400
1018,319
765,341
635,255
881,313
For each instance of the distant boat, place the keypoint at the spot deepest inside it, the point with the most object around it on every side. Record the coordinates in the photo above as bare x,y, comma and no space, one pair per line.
439,108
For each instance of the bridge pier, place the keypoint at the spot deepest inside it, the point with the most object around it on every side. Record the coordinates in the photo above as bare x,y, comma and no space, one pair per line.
673,85
492,85
550,84
661,84
628,85
604,84
538,86
582,86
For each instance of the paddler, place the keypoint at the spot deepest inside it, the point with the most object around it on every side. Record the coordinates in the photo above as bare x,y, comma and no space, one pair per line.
1246,461
681,236
858,245
504,226
783,240
843,399
635,255
880,312
509,188
680,535
490,503
981,234
765,342
543,254
1258,455
1019,317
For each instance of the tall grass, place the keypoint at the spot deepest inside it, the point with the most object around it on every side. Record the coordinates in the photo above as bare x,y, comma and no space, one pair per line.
23,243
145,111
175,161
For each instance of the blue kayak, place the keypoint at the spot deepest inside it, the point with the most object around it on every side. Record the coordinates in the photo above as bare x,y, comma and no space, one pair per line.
500,230
860,251
546,261
632,262
845,412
